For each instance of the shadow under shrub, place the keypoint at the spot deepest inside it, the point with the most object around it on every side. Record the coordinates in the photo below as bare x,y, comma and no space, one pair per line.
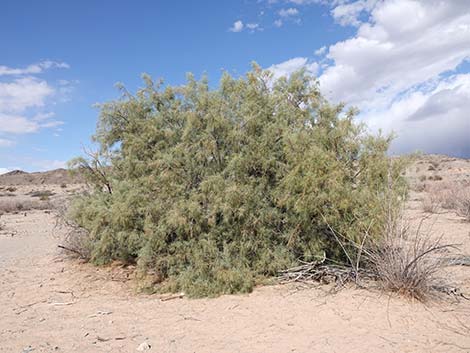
213,191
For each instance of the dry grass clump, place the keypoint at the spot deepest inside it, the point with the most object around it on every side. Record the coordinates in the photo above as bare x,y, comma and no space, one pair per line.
76,241
404,262
429,204
15,206
41,194
418,187
7,194
435,177
410,263
457,198
453,196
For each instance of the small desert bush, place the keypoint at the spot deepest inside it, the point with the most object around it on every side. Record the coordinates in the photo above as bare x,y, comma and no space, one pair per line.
15,206
408,262
6,194
418,187
405,261
42,194
435,177
450,196
457,197
430,203
213,191
76,240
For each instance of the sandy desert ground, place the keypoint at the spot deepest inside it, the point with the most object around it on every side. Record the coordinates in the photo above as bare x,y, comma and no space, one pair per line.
51,303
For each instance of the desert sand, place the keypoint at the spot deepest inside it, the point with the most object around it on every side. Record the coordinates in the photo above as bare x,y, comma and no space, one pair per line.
52,303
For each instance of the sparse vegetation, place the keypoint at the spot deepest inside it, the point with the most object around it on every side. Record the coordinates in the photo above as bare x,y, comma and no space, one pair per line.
41,194
430,203
435,177
14,206
456,197
6,194
210,192
409,263
419,187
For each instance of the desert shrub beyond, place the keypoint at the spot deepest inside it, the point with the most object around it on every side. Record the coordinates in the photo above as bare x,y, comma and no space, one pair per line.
211,191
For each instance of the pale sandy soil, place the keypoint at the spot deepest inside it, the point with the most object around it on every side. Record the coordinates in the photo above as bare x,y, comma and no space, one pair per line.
50,303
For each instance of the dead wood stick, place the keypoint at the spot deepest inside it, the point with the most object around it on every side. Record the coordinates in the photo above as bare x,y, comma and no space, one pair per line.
69,249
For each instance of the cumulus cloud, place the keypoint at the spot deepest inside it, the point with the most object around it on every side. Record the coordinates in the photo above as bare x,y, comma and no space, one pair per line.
305,2
404,44
17,124
253,26
288,12
23,93
349,13
237,26
402,69
25,99
33,68
398,70
286,68
320,51
6,143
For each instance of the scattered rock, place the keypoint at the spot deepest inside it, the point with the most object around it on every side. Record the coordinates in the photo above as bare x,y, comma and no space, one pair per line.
28,349
144,347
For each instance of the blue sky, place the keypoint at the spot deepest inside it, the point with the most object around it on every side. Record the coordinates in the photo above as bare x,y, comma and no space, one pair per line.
404,63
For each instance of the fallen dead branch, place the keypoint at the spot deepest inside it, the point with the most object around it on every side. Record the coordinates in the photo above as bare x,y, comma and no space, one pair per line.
171,297
71,250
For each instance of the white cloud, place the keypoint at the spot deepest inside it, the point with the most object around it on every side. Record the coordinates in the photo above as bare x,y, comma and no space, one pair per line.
24,98
399,69
349,13
286,68
6,143
23,93
435,120
237,26
305,2
33,69
288,12
388,67
16,124
405,44
4,170
320,51
253,26
278,23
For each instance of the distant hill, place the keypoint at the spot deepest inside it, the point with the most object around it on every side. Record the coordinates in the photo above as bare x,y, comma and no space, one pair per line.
56,176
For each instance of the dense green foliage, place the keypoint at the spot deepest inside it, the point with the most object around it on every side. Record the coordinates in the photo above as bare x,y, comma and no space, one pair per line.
212,191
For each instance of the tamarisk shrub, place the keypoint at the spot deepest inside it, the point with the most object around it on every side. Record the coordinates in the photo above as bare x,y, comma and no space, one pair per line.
211,191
